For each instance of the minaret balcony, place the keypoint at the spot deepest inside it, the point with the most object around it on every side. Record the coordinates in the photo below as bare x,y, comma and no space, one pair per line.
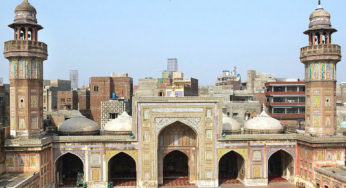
325,52
25,48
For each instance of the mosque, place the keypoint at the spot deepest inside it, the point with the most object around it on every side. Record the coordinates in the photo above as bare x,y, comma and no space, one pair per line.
172,141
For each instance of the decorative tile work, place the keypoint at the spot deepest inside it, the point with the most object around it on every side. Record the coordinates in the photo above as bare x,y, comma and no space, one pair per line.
222,151
193,122
112,153
79,153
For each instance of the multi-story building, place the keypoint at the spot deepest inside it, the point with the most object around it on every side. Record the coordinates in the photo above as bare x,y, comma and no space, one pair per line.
182,87
102,88
256,81
50,93
286,101
67,100
227,78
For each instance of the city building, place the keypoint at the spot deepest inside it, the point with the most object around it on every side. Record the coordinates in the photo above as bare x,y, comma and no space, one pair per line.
67,100
102,88
170,141
256,81
182,87
50,93
74,79
229,78
286,101
112,108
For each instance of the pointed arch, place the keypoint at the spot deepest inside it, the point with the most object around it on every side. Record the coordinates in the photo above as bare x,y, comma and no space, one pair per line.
122,170
69,169
280,166
231,168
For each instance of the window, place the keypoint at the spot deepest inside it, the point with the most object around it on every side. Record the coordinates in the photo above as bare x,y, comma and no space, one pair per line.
96,88
113,115
1,100
62,100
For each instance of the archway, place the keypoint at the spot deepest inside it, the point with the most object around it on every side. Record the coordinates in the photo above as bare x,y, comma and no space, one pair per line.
177,154
122,170
69,171
175,165
231,168
280,166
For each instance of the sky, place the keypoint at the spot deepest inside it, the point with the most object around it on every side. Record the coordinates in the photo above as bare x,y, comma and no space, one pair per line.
206,36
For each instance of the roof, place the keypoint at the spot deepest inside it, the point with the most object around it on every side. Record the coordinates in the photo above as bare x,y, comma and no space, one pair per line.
25,6
339,173
122,124
78,126
9,180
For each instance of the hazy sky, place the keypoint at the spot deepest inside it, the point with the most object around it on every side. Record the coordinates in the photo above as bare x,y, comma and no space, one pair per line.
207,36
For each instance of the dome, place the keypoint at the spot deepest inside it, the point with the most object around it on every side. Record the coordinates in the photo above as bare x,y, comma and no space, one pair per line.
320,19
229,124
78,126
343,125
121,124
25,6
263,124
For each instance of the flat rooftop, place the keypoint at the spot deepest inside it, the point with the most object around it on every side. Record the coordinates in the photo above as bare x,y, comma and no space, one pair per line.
9,180
338,173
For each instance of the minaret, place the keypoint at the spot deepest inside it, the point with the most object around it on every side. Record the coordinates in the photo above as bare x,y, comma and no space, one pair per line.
320,59
26,55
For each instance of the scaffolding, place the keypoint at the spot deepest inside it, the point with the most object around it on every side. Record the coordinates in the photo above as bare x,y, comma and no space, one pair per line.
172,65
74,79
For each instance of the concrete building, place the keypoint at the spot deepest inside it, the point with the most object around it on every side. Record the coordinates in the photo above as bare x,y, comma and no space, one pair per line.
286,102
256,81
50,93
227,78
182,87
102,88
170,142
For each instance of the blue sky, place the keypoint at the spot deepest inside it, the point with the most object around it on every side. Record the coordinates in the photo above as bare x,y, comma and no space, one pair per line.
207,36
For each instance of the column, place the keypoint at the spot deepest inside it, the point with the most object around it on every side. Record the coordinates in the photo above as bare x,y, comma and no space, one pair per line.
26,33
321,38
33,35
313,39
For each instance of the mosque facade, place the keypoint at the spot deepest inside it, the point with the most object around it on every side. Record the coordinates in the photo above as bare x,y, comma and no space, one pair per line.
186,139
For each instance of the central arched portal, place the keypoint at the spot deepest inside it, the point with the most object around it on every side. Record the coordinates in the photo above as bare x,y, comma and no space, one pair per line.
177,154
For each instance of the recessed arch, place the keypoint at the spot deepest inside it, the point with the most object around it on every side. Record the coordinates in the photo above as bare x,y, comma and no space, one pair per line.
175,165
69,170
231,168
122,170
177,153
280,166
178,122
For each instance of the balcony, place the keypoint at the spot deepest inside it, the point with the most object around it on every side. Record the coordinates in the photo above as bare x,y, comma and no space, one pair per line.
284,93
320,52
25,48
285,103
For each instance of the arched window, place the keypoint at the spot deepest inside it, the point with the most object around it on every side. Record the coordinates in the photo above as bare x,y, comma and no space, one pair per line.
30,34
22,34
